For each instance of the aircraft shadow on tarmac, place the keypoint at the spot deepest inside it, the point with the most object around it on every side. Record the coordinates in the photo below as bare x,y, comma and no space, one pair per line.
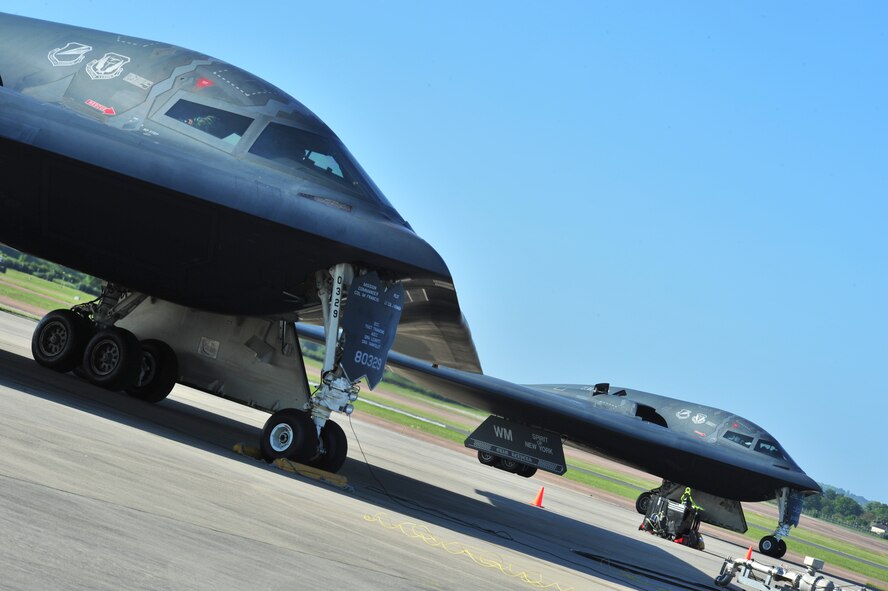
516,526
522,528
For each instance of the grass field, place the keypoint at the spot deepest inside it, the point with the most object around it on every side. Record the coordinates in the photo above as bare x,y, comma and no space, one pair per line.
39,292
832,551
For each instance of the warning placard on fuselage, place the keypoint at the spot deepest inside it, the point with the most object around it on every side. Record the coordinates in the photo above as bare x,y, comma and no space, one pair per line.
518,442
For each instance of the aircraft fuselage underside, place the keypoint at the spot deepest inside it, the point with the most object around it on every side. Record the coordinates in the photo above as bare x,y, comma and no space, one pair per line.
159,241
255,361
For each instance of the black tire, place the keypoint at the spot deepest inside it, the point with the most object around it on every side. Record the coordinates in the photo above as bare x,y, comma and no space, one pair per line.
509,465
335,448
487,458
643,502
59,340
770,546
158,372
781,549
289,434
113,359
526,471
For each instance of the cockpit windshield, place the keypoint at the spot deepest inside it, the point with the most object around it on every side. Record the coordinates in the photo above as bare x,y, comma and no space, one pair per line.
228,127
744,440
769,448
290,145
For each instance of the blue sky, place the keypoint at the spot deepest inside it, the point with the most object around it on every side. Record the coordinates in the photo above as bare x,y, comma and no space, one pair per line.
684,198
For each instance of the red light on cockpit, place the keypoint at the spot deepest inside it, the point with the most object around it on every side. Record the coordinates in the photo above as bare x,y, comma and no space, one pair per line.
203,83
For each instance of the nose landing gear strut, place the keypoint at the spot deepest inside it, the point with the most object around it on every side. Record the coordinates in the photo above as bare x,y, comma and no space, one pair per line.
789,506
355,347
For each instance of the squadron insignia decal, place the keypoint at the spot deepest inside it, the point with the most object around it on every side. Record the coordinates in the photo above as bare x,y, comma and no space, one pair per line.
70,55
107,67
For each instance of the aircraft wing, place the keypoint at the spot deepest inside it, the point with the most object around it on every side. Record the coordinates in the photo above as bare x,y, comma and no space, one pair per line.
568,416
620,436
433,327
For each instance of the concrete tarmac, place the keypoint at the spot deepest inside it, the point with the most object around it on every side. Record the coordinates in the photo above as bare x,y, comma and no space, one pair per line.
100,491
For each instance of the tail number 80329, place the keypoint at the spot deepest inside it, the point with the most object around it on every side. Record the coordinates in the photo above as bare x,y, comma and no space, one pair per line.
368,360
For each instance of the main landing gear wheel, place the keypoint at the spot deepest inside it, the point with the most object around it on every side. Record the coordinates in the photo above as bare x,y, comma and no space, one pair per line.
289,434
509,465
335,448
158,372
59,340
643,502
487,458
113,358
526,471
771,546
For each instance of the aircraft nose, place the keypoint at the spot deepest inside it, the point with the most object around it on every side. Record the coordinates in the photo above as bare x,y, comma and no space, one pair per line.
401,243
808,484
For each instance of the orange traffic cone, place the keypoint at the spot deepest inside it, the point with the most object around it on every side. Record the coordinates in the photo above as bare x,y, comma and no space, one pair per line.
749,553
538,501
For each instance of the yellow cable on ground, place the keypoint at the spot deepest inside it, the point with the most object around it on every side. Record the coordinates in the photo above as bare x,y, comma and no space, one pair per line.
479,557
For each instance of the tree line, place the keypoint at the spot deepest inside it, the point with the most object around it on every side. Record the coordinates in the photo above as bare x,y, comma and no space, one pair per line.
835,506
14,259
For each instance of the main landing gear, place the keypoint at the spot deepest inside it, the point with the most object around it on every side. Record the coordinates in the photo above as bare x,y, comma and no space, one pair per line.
643,502
506,464
85,340
308,435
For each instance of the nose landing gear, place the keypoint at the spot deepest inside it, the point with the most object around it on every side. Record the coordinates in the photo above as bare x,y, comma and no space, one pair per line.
307,435
289,434
789,510
772,546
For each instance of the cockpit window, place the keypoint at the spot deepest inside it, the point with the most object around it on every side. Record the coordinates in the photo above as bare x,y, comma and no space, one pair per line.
290,145
744,440
768,448
228,127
